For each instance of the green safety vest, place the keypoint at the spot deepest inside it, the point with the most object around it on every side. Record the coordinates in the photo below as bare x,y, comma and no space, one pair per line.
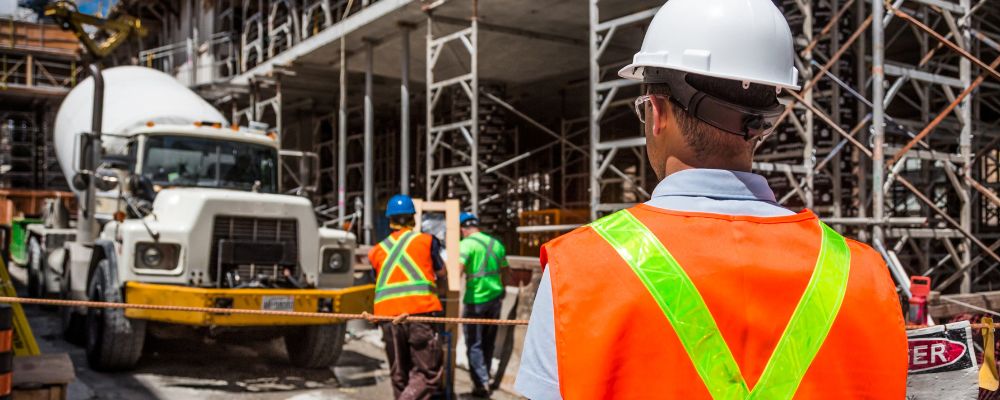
698,332
483,257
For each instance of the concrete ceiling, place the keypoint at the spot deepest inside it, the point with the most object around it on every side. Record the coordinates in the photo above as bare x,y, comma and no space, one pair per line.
520,41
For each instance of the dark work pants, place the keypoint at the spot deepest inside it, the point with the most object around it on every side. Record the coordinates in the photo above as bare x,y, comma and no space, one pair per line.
416,361
479,341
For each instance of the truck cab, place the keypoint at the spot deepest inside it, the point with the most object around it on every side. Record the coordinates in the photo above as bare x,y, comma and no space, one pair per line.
192,215
202,208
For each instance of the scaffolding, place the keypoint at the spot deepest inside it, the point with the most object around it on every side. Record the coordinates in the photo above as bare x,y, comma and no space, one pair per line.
893,138
38,66
454,137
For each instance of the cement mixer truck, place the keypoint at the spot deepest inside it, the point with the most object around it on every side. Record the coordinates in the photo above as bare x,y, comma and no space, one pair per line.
187,211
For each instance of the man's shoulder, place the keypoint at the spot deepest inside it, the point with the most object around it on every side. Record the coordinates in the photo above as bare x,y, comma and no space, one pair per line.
566,244
863,254
578,234
423,238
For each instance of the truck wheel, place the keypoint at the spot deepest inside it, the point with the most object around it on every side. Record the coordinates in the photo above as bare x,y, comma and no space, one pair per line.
36,270
316,346
114,342
73,329
71,321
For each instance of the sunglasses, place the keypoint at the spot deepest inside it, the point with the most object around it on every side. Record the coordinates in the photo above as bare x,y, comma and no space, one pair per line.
640,104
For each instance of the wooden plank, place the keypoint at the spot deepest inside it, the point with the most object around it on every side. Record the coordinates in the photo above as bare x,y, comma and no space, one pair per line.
941,310
32,35
42,370
29,71
57,392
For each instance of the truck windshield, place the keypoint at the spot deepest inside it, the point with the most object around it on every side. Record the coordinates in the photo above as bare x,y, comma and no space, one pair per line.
198,162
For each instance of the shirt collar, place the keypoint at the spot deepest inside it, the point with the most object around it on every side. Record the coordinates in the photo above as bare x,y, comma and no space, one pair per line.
717,184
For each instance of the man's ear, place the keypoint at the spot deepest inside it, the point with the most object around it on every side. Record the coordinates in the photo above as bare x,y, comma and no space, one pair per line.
662,113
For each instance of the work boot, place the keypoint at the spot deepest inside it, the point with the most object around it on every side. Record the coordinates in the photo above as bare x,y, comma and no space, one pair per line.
481,393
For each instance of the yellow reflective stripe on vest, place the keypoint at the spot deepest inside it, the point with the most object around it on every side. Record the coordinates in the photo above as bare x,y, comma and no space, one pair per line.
811,321
415,284
696,329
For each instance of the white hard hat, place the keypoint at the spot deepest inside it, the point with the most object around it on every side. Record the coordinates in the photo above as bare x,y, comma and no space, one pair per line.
743,40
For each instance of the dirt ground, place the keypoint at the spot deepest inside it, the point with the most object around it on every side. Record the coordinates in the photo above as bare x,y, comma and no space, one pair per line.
194,367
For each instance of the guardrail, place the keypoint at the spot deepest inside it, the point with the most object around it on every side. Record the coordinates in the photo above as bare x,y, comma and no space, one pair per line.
171,57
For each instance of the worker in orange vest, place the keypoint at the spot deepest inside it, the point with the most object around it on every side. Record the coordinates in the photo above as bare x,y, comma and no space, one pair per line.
711,290
410,280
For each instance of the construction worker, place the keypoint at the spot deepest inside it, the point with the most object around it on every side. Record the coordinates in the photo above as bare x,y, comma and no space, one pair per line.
410,279
483,258
711,289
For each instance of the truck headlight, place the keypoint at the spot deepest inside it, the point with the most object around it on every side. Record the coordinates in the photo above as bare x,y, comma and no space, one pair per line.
161,256
152,257
336,261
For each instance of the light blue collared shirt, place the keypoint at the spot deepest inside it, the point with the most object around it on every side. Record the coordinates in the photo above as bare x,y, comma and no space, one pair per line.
694,190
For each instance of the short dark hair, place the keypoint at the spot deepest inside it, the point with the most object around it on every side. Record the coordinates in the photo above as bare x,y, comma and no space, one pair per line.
402,220
706,139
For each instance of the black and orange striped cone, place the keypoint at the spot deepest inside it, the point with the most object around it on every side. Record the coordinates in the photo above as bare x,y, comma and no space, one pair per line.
6,350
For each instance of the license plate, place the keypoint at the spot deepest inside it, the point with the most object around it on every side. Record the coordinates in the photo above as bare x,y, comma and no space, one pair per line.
278,303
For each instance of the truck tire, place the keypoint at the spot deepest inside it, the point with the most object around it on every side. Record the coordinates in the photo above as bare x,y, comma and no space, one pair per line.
114,342
71,321
73,329
316,346
36,269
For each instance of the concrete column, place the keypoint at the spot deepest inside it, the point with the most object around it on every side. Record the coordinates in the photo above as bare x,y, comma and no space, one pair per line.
404,113
369,162
592,109
474,69
342,136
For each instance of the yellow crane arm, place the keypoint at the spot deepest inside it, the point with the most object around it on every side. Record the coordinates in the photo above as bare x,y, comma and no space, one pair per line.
118,29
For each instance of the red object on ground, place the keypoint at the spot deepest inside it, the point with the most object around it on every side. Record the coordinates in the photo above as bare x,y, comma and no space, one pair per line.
920,288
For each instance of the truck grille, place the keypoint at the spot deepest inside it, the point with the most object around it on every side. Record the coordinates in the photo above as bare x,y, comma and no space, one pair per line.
253,230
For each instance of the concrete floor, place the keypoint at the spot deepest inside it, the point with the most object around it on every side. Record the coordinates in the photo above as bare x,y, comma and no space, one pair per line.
191,367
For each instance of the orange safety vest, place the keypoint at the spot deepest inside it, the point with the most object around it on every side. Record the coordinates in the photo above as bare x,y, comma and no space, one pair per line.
406,283
613,339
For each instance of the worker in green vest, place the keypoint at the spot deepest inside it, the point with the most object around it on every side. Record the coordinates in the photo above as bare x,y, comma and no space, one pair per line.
483,258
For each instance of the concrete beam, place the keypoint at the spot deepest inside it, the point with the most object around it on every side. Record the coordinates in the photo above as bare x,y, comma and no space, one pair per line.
326,37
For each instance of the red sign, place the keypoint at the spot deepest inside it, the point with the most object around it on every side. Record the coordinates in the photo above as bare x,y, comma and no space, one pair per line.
933,353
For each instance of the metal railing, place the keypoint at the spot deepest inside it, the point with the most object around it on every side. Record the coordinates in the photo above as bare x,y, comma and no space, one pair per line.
173,58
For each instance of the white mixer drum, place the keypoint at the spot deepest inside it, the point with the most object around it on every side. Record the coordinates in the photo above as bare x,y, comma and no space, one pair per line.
133,96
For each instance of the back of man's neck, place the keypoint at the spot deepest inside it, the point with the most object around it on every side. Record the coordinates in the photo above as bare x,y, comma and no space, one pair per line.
675,165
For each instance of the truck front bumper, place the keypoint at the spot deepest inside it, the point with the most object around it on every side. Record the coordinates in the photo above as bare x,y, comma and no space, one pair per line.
348,300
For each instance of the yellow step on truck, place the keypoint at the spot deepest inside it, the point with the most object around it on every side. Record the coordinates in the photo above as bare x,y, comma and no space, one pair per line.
180,207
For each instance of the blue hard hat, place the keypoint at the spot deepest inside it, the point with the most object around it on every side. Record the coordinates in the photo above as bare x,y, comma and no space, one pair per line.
400,204
466,216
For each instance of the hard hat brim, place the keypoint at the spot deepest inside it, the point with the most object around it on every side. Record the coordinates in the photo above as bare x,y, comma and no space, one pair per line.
634,72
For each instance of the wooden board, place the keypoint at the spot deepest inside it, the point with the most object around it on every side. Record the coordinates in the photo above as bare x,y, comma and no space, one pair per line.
942,310
57,392
24,202
43,370
27,35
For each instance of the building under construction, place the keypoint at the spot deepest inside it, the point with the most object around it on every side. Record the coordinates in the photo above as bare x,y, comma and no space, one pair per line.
515,107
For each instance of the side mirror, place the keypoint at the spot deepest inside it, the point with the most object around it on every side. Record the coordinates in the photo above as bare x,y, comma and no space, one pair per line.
142,187
107,179
80,181
122,162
